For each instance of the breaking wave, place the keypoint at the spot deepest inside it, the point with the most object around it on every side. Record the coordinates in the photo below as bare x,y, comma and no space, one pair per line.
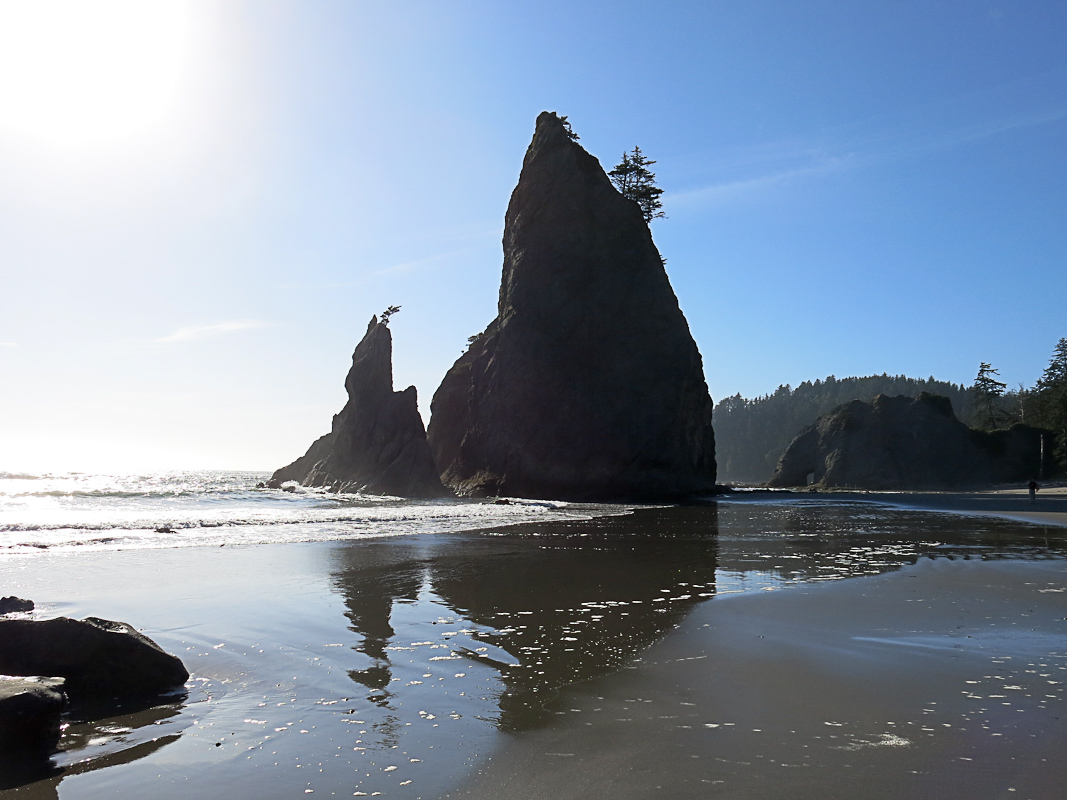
74,511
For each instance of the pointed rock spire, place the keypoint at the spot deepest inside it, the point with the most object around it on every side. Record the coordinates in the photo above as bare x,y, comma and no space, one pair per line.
378,442
588,384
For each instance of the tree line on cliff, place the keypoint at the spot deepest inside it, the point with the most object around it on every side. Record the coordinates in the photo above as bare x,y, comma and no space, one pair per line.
751,435
1044,405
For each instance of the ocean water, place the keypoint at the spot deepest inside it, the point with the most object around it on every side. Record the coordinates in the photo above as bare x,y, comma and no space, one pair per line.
84,512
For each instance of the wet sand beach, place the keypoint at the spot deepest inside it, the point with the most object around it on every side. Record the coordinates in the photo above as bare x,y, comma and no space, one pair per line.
1049,507
944,679
801,647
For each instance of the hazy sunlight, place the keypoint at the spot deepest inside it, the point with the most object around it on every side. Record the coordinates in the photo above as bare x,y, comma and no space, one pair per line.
74,73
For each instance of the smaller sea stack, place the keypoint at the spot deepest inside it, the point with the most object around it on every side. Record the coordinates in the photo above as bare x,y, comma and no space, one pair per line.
378,441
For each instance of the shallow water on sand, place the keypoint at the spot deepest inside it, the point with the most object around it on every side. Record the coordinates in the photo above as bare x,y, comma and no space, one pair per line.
399,667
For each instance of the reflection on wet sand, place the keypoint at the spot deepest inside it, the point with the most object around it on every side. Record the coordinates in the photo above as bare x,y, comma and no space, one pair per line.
577,601
811,540
97,735
942,677
552,604
391,666
383,573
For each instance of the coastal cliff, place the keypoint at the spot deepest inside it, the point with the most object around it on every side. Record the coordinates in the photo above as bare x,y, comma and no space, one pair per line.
588,384
904,443
378,443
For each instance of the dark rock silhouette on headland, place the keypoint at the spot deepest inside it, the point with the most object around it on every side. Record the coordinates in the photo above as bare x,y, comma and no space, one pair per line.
1015,452
588,384
903,443
378,442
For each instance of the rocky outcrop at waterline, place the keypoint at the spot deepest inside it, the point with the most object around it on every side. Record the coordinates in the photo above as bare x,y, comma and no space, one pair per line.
15,605
904,443
377,444
30,709
588,384
96,657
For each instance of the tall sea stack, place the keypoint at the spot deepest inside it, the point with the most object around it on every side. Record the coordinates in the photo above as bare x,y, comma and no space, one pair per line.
588,384
378,442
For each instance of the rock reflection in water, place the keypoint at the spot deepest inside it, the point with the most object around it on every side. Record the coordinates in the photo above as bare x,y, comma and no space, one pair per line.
458,630
98,734
811,540
381,574
554,604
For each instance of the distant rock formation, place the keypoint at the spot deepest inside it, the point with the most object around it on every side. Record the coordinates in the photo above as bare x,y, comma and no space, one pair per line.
15,605
378,442
588,384
903,443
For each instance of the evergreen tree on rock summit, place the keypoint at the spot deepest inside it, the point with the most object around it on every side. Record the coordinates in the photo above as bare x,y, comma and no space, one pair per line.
635,181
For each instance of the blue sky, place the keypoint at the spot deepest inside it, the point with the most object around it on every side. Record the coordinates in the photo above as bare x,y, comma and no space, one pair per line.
194,234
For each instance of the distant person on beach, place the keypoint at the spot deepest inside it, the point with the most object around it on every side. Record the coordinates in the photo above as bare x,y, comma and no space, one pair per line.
1033,487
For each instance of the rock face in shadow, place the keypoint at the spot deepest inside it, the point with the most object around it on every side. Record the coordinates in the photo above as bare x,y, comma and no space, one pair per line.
1016,452
29,714
378,442
588,384
97,657
888,443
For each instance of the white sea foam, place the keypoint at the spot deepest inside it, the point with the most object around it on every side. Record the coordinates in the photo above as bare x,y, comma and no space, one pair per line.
74,511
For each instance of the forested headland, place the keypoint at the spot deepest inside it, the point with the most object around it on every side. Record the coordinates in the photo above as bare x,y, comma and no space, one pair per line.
750,435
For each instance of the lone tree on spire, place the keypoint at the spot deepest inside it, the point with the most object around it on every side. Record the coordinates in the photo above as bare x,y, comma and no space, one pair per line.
987,393
574,137
633,178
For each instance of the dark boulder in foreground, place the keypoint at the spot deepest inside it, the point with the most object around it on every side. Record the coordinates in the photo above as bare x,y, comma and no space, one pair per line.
903,443
378,441
29,714
588,384
97,657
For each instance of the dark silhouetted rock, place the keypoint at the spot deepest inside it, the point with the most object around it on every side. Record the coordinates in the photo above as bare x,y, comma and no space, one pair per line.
15,605
904,443
29,714
98,658
588,384
378,442
889,443
1016,452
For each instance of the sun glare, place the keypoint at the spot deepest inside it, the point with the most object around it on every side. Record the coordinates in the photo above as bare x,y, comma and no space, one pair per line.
76,73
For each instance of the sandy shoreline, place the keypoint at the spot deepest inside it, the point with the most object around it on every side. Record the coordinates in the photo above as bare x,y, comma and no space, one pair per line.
942,680
1049,508
473,664
1013,503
